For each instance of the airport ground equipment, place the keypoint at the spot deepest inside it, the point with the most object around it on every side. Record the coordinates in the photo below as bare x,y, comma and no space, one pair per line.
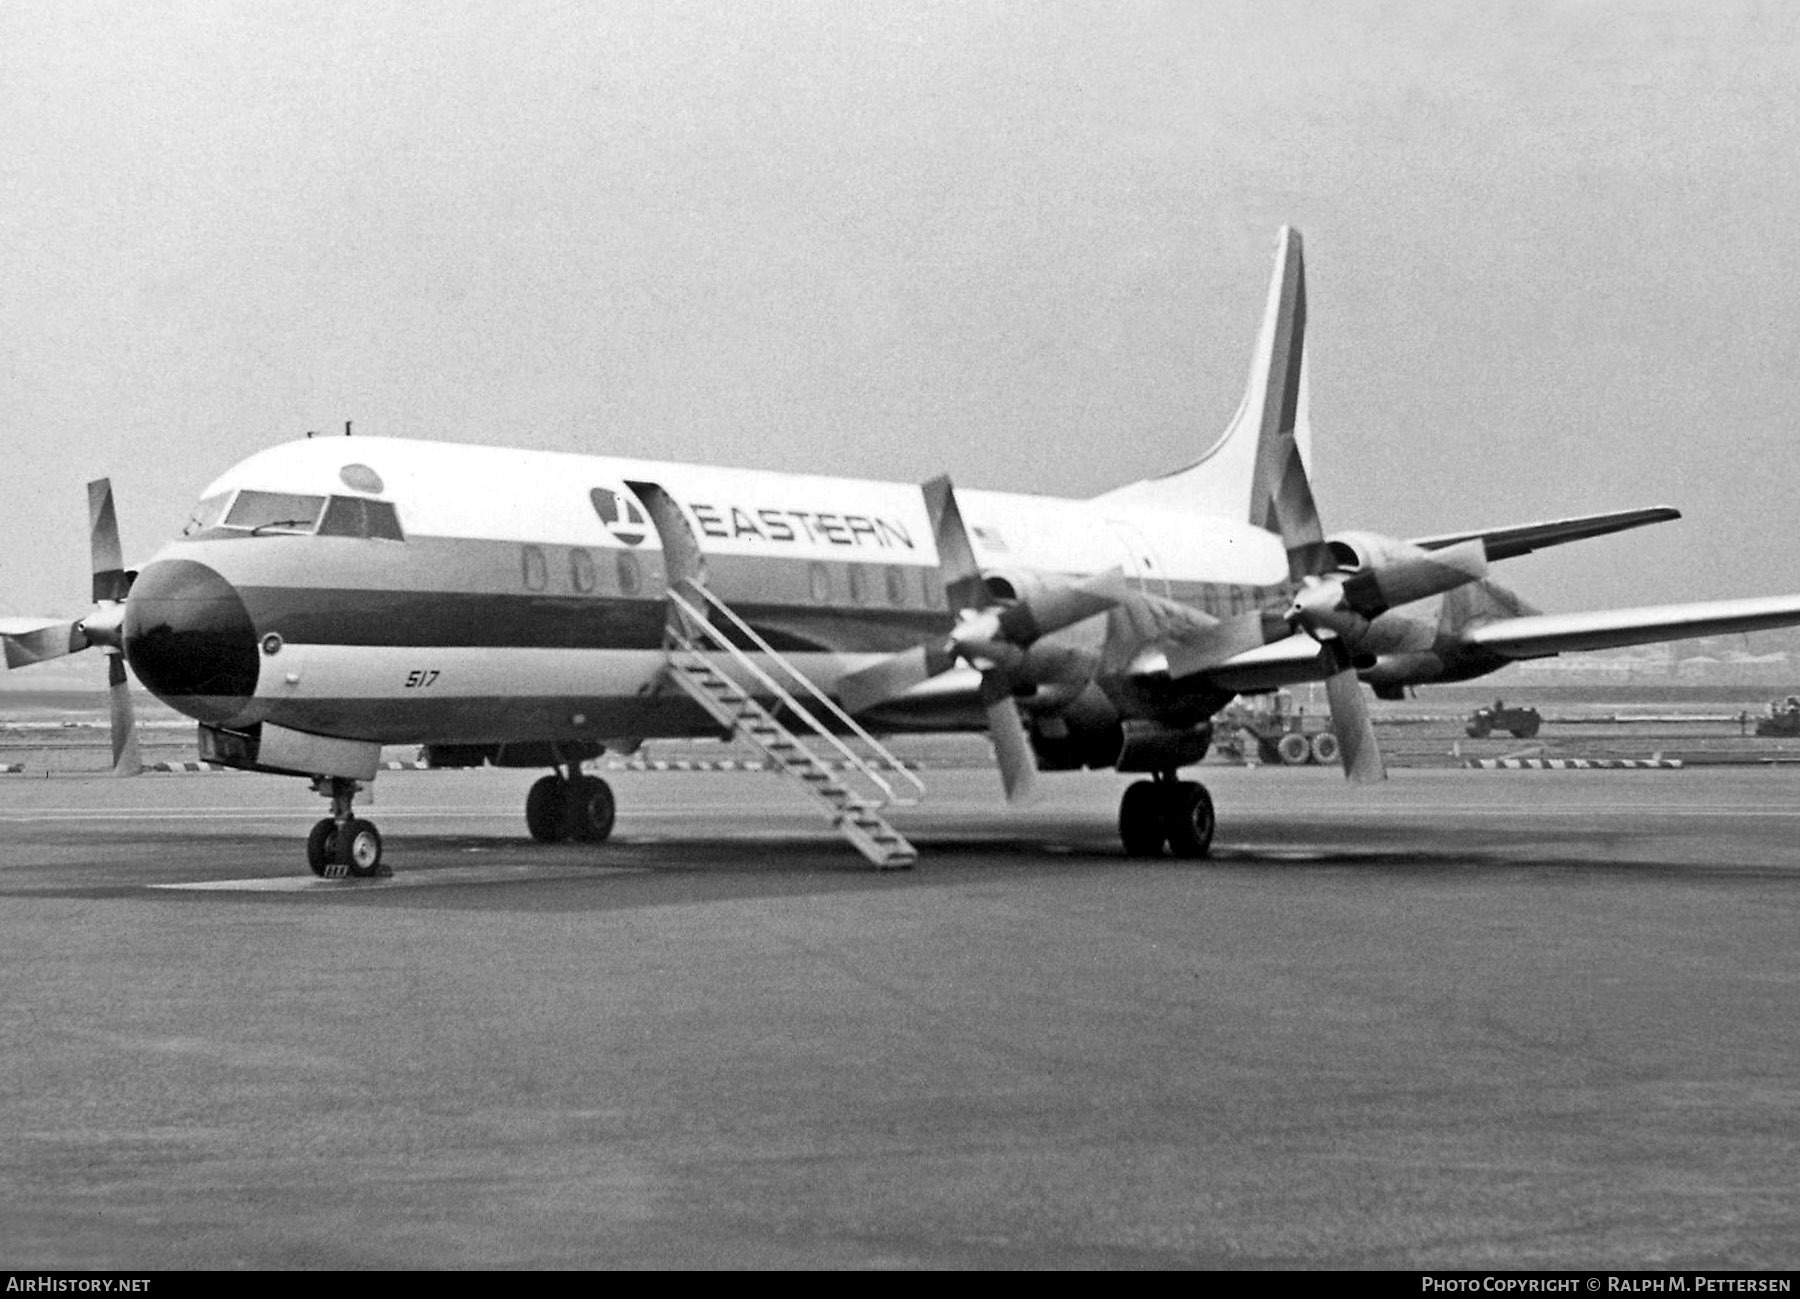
1276,730
1783,718
1522,723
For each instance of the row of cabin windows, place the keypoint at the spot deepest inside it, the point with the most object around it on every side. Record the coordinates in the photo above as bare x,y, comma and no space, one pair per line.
898,586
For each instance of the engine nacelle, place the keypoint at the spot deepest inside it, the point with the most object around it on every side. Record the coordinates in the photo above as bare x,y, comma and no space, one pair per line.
1378,573
1359,552
1153,746
1072,744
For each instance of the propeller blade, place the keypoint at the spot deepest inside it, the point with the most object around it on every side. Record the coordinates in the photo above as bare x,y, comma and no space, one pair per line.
110,580
23,648
891,677
1057,607
1415,577
1350,720
1232,636
963,586
124,720
1018,765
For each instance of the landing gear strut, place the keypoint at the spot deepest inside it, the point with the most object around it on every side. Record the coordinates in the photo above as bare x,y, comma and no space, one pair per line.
341,845
570,805
1166,811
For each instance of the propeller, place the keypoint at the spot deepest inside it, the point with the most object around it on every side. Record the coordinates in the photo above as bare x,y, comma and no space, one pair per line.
1331,607
994,639
1351,723
102,627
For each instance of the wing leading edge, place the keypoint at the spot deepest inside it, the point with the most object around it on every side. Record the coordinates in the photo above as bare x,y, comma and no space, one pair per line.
1522,539
1555,633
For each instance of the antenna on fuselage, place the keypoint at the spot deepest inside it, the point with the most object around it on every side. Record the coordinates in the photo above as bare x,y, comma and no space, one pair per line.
346,428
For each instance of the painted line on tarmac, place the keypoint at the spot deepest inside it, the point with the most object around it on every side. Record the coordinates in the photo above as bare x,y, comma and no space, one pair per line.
401,879
1573,764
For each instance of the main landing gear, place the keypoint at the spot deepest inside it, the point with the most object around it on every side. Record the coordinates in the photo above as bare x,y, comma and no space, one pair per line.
1178,813
570,805
341,845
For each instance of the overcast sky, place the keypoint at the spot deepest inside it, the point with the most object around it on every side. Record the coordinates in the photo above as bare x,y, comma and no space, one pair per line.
1550,251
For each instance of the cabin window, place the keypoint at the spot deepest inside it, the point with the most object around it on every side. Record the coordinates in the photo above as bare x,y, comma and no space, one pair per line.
283,512
896,585
819,577
535,567
854,573
630,576
930,588
352,516
581,571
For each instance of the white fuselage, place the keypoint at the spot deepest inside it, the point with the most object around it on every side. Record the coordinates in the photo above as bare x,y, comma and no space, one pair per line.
407,591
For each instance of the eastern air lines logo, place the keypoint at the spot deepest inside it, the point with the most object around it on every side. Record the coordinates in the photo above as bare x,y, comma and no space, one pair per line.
621,516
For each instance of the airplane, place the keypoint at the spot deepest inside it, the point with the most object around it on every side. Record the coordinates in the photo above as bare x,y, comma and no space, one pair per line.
494,605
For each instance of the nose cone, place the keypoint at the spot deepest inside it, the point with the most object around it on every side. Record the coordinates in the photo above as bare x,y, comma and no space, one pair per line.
190,639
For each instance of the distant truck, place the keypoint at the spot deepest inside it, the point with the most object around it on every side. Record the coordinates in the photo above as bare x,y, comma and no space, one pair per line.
1783,718
1276,731
1523,723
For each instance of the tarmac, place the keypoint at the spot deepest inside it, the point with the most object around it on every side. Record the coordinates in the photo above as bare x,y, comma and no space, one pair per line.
1464,1019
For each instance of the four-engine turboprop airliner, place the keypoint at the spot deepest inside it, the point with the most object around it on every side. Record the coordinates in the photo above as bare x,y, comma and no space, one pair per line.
333,595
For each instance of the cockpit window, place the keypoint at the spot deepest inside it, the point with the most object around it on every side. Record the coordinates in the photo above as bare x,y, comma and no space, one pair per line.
355,516
260,512
268,514
206,514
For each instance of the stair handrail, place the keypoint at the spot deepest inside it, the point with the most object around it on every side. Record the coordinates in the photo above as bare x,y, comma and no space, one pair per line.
786,698
883,754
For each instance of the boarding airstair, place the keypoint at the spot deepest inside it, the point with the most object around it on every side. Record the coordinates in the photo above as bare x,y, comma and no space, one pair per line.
851,782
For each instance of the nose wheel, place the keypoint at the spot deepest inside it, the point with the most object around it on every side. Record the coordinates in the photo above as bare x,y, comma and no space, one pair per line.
343,846
1166,812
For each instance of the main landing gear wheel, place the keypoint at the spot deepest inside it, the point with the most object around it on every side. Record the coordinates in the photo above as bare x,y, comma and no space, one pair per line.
591,809
1188,810
1178,813
359,857
580,808
544,811
1141,826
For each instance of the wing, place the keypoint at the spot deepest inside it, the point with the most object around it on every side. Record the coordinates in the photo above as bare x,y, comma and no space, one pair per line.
1556,633
1284,663
1522,539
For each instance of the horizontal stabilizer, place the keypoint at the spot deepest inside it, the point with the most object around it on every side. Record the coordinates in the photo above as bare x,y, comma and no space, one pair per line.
1556,633
1509,543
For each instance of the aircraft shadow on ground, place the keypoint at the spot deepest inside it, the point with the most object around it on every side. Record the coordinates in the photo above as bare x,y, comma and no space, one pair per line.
449,871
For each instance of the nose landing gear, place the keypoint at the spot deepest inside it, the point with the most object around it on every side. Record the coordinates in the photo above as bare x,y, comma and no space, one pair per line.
1166,811
342,845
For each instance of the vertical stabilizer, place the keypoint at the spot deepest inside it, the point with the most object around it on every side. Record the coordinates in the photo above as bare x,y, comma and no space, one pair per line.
1257,471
